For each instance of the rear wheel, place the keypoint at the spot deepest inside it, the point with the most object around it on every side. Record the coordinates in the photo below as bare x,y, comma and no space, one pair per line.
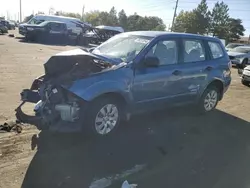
103,116
209,99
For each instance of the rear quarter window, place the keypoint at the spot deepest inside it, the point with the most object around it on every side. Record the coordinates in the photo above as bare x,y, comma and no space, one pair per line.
215,49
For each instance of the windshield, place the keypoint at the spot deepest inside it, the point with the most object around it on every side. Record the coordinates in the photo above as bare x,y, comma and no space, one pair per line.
241,50
124,47
43,23
35,21
232,45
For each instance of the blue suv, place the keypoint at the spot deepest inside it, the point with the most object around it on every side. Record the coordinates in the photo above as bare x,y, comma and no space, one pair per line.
131,73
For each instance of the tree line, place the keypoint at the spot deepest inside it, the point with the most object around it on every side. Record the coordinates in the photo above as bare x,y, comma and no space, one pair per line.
133,22
215,22
200,20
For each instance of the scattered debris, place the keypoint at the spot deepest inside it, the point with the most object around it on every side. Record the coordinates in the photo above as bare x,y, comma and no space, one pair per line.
16,126
127,185
162,150
107,181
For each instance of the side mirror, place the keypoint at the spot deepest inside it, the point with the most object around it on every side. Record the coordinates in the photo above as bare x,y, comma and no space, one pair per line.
151,62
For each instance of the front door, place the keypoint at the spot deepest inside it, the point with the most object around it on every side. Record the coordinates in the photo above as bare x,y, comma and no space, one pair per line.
153,87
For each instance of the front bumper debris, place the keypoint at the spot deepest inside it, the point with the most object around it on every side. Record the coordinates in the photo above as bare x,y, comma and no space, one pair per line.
16,126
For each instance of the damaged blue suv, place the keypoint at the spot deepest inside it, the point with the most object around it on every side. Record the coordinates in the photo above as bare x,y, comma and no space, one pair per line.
133,72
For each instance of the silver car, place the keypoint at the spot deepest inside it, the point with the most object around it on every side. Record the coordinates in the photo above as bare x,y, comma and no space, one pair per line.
240,56
231,46
245,78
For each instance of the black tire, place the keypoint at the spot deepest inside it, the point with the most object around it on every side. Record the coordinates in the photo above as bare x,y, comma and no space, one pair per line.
94,108
244,82
201,104
244,63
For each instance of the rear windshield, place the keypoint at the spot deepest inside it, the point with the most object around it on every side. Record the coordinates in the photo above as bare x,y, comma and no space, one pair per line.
35,21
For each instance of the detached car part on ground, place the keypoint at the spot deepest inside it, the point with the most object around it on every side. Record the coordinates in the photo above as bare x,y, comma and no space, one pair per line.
130,73
240,56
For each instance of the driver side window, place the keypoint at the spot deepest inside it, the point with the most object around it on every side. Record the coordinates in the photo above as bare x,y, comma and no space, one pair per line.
166,51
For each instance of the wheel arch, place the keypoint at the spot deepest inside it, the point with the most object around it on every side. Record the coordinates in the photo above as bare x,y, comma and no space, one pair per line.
217,83
121,99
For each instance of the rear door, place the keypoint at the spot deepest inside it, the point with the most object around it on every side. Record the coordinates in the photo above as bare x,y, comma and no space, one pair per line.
57,31
195,67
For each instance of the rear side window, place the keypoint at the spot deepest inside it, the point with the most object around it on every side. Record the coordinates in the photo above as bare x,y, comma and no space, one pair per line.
194,51
216,50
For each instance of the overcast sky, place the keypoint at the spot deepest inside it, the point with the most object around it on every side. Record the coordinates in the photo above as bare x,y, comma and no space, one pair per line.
162,8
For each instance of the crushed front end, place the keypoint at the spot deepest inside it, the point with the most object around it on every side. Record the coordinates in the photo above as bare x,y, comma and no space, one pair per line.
56,108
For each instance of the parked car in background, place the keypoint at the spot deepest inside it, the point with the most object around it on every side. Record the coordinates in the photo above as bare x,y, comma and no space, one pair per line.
245,77
36,20
130,73
12,25
3,29
8,24
51,31
240,56
231,46
99,34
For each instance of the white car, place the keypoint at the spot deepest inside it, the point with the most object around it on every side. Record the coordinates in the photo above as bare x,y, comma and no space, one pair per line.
231,46
240,56
245,78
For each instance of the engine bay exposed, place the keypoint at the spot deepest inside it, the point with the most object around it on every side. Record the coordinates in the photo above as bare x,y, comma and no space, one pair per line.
53,103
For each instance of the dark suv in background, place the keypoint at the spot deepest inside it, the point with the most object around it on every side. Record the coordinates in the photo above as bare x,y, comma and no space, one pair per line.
47,31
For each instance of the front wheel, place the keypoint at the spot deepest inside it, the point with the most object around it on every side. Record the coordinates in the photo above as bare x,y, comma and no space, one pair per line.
209,99
103,116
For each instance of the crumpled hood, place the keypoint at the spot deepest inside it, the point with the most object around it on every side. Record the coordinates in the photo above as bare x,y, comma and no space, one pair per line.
231,53
66,61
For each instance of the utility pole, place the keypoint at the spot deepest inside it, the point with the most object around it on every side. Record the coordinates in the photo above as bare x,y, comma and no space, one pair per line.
83,12
175,9
20,11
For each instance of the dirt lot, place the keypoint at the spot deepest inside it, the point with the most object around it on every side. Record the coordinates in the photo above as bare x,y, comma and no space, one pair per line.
169,149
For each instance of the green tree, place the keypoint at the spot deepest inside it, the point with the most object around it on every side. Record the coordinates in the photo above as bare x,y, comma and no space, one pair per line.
113,17
27,18
236,29
68,14
220,20
133,21
93,17
185,22
123,19
202,17
105,19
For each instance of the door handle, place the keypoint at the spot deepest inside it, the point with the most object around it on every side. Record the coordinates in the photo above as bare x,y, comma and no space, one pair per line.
208,68
176,72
